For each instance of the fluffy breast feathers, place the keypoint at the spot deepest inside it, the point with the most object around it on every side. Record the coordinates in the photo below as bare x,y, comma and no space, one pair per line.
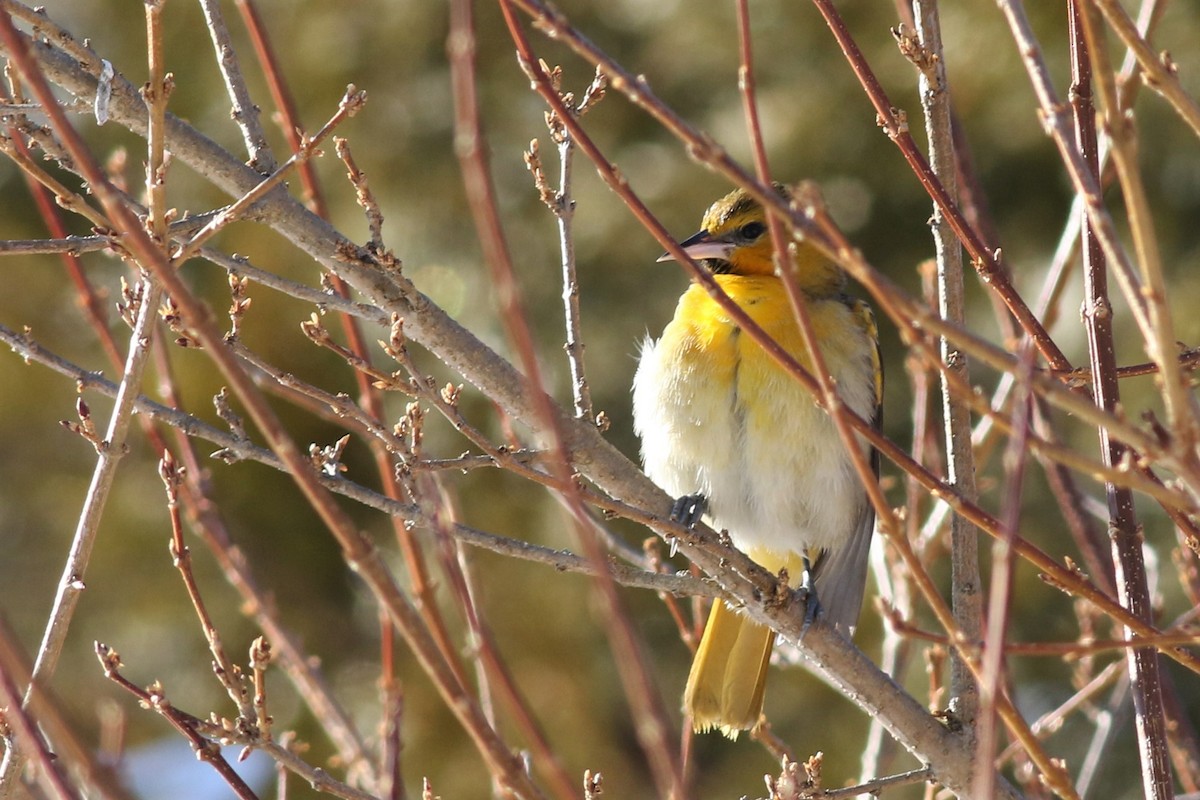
717,415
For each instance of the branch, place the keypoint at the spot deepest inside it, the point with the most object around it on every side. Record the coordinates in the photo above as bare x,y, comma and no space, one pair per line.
966,589
1124,530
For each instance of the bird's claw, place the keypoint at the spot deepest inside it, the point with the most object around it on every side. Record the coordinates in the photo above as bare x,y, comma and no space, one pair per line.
689,509
808,591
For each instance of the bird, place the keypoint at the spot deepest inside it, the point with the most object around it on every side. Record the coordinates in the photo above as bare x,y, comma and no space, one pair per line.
743,445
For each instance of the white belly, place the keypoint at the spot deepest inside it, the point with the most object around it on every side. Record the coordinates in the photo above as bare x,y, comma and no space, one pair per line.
772,465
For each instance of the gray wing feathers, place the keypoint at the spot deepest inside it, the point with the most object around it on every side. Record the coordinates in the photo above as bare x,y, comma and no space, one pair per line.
841,576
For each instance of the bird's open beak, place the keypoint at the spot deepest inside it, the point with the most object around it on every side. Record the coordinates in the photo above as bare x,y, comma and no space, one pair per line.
701,246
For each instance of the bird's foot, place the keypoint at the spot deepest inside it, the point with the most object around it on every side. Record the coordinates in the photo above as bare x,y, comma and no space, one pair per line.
808,591
689,509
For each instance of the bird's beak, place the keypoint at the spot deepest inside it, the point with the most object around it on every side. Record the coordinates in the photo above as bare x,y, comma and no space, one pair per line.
701,246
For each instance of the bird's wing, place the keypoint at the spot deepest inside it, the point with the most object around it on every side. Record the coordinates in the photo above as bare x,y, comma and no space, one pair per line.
840,576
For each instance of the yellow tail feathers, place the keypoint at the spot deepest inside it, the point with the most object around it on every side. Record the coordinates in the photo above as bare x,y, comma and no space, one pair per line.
729,674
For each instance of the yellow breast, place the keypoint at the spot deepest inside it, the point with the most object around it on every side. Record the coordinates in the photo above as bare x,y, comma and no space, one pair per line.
718,415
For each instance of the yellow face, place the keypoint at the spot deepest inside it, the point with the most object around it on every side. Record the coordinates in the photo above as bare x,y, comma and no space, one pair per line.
739,223
734,240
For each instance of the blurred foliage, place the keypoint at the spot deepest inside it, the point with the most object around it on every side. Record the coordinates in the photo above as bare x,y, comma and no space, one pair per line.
818,124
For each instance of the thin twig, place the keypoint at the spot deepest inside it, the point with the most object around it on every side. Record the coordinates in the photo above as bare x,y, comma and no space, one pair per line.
21,728
494,672
1178,399
992,682
1160,73
1052,720
110,450
228,673
703,148
362,193
917,320
1124,530
88,765
1108,723
1052,772
351,103
156,700
233,448
244,111
876,786
652,724
289,120
1084,176
256,602
89,299
297,666
562,204
966,589
357,550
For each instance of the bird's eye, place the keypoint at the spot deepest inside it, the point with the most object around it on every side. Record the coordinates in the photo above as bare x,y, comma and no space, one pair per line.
751,231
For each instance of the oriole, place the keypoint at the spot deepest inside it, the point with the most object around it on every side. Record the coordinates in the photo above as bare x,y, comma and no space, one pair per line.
729,432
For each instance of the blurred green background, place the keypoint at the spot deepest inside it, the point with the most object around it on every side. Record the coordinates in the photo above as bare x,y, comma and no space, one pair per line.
818,125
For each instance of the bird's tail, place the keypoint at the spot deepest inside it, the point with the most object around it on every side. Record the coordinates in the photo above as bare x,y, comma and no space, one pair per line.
729,673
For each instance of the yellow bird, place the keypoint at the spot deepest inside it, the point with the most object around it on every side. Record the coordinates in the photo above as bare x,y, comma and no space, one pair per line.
727,431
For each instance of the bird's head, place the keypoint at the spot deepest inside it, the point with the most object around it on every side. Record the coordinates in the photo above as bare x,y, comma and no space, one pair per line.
734,239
